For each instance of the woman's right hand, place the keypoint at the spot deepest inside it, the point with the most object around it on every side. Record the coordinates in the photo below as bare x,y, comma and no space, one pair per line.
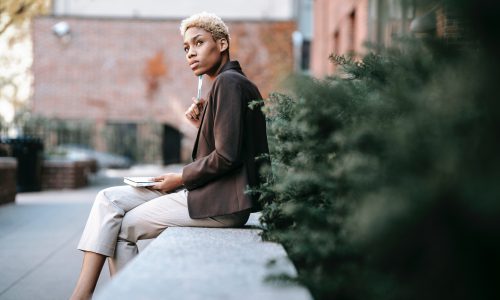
193,113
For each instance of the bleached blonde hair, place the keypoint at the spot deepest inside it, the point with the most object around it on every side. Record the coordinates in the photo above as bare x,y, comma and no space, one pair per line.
209,22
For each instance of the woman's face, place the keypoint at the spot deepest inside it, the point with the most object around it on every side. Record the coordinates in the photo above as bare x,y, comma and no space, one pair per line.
203,53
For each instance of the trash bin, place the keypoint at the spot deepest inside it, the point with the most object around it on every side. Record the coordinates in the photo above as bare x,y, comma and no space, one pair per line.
29,154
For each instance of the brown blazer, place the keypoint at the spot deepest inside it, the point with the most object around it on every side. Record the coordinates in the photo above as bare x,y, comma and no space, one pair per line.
230,136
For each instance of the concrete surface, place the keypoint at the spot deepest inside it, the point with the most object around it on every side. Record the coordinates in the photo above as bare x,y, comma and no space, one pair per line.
38,256
205,263
39,234
39,260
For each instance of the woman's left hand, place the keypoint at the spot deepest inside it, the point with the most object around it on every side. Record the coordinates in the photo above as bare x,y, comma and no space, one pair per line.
167,182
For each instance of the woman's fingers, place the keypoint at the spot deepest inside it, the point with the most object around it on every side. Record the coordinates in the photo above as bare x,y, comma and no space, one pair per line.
193,112
193,109
199,103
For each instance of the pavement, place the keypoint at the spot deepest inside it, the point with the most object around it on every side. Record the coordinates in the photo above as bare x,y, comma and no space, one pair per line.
39,234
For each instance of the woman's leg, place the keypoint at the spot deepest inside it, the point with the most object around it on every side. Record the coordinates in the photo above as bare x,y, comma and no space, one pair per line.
98,239
150,219
106,216
91,269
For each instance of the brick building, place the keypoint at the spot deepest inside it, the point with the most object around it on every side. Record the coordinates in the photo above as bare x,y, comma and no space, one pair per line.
340,26
349,26
123,74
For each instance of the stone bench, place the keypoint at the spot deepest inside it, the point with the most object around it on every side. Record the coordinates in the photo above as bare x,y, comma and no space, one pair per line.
206,263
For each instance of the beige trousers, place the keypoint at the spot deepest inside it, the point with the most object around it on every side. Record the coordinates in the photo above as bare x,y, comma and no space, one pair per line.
122,215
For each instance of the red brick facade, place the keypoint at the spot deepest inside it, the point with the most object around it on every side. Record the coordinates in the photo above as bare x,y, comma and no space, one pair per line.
127,70
65,174
448,25
343,26
340,27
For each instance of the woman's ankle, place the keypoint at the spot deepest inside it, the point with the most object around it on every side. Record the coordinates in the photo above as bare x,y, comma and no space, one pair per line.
77,295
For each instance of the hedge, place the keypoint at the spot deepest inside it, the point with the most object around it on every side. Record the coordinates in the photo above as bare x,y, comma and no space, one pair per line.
385,179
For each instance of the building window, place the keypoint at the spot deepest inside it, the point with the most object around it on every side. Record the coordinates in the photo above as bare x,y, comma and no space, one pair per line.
336,43
352,33
306,54
390,19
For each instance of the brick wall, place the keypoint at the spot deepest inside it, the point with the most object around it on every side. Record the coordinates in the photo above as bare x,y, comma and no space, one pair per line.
65,174
127,70
340,26
448,25
8,169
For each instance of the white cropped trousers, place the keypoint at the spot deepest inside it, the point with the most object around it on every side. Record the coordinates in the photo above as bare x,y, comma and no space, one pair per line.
122,215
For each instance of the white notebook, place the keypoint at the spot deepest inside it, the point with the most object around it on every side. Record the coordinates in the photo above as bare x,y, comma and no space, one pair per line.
139,181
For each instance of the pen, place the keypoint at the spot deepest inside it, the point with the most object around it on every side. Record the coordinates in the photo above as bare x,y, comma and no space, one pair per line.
200,83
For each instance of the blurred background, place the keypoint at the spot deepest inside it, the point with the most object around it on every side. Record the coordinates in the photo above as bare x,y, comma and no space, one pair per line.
383,121
111,76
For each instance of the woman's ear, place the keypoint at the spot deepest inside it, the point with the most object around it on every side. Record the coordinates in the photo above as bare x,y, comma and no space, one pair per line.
223,45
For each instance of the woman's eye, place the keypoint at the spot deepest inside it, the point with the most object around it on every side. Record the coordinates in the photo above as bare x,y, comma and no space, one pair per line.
199,43
186,49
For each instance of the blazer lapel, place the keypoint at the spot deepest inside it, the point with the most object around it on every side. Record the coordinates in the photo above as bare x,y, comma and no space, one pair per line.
195,147
230,65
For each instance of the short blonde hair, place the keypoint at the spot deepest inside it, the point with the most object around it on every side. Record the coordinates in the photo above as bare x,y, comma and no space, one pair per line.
209,22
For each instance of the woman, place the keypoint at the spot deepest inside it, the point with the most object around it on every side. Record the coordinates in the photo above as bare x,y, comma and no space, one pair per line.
210,191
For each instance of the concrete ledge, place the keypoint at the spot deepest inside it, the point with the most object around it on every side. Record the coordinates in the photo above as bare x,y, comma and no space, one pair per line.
205,263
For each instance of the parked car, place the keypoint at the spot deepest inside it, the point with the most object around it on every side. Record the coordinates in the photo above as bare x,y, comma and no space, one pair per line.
104,159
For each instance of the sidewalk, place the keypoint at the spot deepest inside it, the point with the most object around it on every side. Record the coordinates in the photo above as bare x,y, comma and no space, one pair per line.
40,232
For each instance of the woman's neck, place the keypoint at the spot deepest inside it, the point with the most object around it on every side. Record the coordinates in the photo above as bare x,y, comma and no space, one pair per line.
216,70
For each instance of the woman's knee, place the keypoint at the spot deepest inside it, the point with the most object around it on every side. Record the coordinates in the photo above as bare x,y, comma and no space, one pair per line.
136,225
110,198
129,228
126,197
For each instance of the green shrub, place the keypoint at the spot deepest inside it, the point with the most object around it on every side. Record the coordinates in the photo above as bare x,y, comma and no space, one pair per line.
384,181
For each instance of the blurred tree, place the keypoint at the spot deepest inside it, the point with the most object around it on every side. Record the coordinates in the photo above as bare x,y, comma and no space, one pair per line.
15,12
15,56
384,181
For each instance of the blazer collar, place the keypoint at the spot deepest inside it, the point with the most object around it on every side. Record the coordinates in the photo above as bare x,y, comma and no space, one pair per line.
232,65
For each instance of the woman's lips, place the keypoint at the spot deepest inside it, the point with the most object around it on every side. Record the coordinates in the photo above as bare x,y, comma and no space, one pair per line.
194,65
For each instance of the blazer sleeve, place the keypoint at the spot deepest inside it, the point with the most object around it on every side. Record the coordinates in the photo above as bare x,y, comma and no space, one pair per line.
228,105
